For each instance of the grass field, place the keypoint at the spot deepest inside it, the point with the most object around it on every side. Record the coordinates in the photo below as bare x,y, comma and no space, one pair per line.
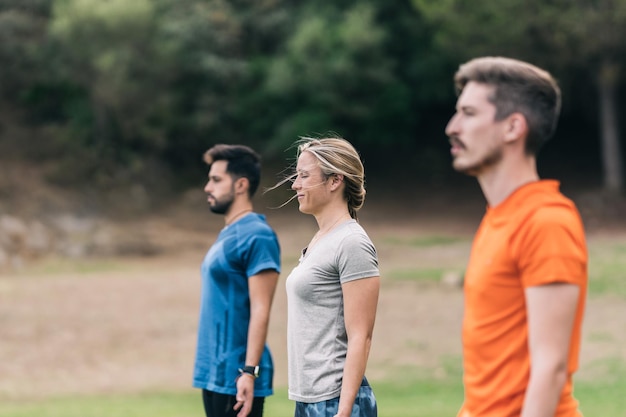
115,337
408,398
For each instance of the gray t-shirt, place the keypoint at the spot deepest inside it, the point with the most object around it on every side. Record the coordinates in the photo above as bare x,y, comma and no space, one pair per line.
316,333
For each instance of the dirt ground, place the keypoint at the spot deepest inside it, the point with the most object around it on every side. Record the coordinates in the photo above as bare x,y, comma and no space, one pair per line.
129,324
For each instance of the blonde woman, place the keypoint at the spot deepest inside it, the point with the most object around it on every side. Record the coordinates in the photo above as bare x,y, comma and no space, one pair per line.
333,291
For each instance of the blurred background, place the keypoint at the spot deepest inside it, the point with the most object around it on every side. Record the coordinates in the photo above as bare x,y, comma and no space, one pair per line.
106,107
118,99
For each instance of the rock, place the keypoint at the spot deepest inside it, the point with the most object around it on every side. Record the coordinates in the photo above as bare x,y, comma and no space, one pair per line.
13,233
74,235
70,236
4,260
39,240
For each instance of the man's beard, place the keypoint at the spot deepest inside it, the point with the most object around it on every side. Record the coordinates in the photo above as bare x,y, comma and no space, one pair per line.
492,158
222,206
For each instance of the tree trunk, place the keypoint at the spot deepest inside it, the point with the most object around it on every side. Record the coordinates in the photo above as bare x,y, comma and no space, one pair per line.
609,128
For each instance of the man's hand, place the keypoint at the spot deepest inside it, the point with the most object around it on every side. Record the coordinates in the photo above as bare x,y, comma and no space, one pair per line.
245,394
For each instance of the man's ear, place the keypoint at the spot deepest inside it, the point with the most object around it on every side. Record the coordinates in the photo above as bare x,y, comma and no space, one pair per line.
516,127
241,185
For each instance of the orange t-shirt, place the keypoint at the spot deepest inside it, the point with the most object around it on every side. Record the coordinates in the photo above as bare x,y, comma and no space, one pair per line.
535,237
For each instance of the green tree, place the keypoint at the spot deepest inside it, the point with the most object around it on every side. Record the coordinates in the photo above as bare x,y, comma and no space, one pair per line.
336,75
22,29
598,30
103,58
158,79
560,34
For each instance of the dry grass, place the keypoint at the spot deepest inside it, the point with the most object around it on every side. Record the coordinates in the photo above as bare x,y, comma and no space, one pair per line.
129,324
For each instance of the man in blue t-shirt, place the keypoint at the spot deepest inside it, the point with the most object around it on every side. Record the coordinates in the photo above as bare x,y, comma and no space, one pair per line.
233,364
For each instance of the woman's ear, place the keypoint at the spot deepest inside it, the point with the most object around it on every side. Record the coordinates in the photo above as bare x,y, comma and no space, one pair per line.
336,180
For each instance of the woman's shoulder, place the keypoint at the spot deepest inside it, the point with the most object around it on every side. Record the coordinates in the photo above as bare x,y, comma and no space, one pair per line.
353,234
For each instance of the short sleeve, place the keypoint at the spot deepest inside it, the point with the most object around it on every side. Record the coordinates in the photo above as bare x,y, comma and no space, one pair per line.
552,247
356,258
262,253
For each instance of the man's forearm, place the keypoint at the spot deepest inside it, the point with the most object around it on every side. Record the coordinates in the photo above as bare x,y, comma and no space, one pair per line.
543,392
257,335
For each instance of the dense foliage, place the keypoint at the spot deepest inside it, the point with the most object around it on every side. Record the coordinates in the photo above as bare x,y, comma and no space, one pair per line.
121,91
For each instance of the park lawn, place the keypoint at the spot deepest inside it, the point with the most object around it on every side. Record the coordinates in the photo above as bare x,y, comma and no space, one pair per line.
402,398
404,392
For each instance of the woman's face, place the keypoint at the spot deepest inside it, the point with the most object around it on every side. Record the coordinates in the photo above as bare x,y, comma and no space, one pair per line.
312,189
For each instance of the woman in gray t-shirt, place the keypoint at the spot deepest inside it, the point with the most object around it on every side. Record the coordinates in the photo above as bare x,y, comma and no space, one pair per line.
333,291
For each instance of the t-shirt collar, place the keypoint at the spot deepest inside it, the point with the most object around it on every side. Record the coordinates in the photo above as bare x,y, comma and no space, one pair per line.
500,213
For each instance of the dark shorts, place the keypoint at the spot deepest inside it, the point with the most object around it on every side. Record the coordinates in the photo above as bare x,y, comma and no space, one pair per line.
221,405
364,405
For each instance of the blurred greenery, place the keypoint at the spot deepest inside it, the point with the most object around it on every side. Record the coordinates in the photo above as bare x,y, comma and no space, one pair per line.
157,404
607,263
424,241
408,393
415,274
122,92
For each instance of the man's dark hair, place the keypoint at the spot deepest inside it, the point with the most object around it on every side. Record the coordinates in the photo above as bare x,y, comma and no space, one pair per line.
518,87
242,162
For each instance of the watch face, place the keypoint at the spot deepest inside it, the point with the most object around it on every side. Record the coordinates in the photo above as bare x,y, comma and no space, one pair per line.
252,370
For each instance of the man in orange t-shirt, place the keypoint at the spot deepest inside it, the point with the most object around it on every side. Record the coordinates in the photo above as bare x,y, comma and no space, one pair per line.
526,281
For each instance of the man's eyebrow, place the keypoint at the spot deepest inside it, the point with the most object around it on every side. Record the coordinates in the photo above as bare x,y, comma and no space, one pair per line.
466,107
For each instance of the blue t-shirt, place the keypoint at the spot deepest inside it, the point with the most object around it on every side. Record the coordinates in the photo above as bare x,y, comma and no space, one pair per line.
242,249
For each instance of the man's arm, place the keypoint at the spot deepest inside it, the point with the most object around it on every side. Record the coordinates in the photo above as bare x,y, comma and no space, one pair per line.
261,287
551,312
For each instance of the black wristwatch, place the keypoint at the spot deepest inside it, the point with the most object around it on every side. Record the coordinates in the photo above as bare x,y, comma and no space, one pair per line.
250,370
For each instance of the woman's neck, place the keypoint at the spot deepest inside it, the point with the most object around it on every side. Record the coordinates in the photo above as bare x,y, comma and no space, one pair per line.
331,219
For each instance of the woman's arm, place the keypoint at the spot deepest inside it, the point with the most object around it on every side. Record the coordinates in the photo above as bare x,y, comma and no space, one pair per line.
360,298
